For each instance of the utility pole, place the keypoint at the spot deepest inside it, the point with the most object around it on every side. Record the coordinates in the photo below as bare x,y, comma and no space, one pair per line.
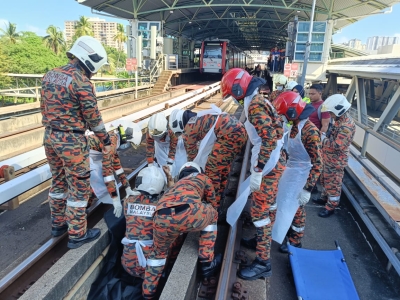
308,46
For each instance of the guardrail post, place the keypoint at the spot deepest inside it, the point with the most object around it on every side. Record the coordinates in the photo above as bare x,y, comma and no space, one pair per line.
37,94
9,174
364,146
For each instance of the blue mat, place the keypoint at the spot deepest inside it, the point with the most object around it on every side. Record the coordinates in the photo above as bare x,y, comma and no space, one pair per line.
321,275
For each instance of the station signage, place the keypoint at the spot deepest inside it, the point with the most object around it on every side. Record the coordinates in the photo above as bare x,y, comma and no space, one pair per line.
291,70
131,64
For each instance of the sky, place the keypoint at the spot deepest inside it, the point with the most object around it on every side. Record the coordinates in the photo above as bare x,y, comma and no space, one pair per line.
37,15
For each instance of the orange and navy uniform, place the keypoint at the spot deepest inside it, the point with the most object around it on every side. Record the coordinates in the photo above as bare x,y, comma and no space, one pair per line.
275,95
69,107
185,207
111,163
335,154
150,149
231,137
263,208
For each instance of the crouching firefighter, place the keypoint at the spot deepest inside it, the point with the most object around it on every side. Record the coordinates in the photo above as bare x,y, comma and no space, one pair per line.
187,206
303,168
221,138
265,132
103,165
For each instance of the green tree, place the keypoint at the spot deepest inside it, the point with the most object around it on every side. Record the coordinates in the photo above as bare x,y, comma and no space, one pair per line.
112,56
120,38
54,39
10,33
4,68
83,27
31,56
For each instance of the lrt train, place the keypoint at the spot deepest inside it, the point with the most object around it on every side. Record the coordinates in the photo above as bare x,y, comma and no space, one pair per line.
218,56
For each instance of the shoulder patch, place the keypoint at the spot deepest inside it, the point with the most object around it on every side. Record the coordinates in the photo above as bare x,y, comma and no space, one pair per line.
192,120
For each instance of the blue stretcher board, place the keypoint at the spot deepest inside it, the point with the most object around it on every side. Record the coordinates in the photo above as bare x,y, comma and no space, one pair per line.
321,274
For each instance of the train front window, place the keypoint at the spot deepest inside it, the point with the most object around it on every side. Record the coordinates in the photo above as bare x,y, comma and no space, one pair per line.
212,51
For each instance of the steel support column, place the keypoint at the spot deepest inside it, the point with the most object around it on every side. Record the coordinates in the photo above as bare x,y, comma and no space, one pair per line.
351,90
372,93
390,111
361,101
386,93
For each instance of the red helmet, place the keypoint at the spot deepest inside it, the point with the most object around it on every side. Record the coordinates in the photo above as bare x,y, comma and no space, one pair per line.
290,105
234,83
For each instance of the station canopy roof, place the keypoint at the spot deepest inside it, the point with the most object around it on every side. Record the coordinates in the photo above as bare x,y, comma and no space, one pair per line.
248,24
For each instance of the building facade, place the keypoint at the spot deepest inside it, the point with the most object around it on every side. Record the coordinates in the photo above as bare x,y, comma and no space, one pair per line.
103,31
374,42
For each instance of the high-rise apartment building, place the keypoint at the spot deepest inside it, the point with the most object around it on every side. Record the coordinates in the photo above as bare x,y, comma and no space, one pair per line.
354,43
103,31
374,42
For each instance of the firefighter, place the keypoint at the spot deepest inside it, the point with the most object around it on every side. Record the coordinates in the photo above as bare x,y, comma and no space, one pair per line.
280,83
185,207
161,143
303,168
335,152
265,132
222,137
103,165
139,208
69,107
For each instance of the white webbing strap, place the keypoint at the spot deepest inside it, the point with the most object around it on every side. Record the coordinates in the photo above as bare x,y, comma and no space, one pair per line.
119,171
109,178
139,251
58,196
76,203
298,229
334,199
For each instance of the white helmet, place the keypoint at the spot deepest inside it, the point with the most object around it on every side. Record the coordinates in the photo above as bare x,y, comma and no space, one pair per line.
290,85
336,104
280,79
150,180
189,168
129,132
176,121
158,125
90,52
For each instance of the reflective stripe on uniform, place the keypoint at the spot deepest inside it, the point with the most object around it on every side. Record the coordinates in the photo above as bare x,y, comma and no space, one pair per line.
58,195
139,251
119,171
156,262
99,127
109,178
210,228
76,203
273,206
298,229
263,222
334,199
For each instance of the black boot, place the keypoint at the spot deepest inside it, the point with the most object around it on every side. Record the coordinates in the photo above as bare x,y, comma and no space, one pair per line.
258,269
208,268
249,243
326,213
284,248
91,234
57,231
319,201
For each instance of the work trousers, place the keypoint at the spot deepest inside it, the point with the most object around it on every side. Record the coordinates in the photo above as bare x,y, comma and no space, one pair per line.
68,157
331,181
226,147
296,230
263,210
167,228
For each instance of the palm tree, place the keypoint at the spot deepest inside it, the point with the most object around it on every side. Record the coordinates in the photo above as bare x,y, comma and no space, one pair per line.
83,27
10,33
55,39
120,38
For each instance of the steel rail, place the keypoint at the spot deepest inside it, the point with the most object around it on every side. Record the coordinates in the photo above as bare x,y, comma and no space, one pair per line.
226,270
30,261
